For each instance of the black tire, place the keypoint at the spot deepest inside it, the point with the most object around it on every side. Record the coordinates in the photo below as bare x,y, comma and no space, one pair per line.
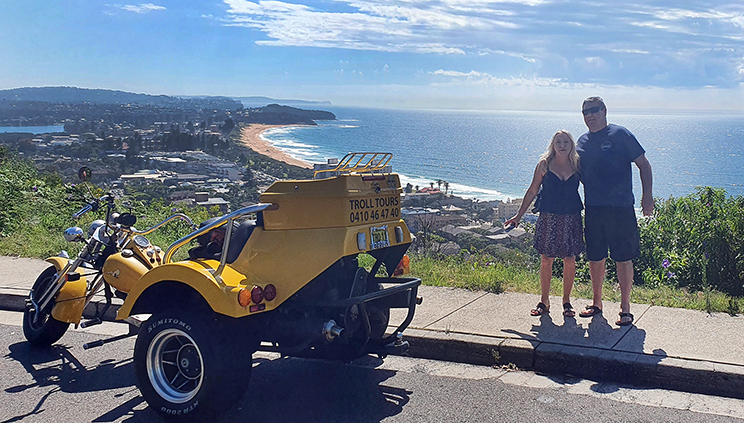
187,368
378,317
45,330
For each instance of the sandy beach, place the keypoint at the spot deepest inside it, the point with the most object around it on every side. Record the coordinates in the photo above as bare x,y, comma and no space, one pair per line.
251,137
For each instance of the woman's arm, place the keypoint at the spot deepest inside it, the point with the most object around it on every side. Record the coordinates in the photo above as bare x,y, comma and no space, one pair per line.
540,170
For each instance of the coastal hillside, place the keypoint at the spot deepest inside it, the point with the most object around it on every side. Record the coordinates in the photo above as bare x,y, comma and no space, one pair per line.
95,110
100,96
258,101
274,114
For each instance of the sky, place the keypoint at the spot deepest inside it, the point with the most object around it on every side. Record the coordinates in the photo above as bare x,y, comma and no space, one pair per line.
428,54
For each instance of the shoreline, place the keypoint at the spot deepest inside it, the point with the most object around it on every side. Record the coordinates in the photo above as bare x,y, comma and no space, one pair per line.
250,136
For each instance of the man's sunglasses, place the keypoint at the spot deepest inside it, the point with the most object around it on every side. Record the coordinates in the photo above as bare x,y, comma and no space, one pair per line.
591,110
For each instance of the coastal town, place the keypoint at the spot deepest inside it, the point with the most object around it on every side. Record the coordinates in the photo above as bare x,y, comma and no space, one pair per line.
207,155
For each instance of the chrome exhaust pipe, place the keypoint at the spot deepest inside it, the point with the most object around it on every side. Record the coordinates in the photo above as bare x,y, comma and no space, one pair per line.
331,331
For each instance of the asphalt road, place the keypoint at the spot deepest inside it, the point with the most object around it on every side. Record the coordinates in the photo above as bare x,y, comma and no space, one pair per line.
66,383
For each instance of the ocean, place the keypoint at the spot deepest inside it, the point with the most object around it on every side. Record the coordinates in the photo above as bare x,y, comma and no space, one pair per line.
489,155
33,129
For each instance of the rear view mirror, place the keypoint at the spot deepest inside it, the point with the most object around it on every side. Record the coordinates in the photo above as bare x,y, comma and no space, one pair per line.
84,173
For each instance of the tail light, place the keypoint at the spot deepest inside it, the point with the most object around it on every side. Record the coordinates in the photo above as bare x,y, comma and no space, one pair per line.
269,292
257,294
244,297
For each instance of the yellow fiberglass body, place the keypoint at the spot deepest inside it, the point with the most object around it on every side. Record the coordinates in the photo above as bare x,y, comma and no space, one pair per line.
311,225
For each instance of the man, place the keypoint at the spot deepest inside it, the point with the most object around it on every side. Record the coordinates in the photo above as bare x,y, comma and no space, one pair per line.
606,153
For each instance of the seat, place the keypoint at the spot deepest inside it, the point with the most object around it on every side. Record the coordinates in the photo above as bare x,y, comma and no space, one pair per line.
208,249
238,238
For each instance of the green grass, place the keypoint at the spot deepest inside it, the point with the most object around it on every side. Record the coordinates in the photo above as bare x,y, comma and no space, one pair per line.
479,275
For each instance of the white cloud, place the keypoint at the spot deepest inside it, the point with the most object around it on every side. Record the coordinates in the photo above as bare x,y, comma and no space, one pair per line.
142,8
470,74
738,21
487,51
553,39
596,62
629,51
371,26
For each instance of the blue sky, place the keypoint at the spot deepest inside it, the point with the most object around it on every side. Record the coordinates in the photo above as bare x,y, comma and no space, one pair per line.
471,54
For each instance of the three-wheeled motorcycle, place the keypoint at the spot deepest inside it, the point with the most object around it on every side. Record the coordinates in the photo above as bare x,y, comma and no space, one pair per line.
282,275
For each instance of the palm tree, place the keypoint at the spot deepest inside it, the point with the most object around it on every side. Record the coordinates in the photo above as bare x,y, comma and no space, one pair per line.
439,184
446,187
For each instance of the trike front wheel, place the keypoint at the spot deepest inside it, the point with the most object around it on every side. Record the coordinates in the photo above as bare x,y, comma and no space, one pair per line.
39,327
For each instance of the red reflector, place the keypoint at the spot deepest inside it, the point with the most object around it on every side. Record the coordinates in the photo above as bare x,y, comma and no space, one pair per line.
257,294
374,178
269,292
258,307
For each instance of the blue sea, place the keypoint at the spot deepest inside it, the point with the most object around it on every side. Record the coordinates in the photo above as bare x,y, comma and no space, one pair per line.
491,155
32,129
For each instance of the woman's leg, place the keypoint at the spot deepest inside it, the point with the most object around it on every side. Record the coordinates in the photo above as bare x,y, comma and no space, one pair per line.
569,274
546,273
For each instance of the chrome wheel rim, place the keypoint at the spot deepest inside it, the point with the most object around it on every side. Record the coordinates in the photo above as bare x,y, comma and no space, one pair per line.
175,366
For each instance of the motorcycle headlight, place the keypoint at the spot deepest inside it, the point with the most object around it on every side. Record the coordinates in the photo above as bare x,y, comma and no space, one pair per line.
95,225
73,234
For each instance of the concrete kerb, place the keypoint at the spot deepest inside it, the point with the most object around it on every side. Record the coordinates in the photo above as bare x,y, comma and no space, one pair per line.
598,364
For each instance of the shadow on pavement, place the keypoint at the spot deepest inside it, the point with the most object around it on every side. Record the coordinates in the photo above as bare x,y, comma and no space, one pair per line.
57,367
289,389
279,390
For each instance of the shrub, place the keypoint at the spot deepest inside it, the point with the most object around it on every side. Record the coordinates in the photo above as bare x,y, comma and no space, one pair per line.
695,242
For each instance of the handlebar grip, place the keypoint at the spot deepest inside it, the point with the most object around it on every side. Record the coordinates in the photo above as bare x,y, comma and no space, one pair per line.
82,211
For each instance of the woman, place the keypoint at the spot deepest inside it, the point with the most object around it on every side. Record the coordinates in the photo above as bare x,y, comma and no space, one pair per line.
559,231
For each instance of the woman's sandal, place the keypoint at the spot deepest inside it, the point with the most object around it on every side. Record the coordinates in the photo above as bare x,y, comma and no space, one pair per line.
628,319
539,310
568,310
590,311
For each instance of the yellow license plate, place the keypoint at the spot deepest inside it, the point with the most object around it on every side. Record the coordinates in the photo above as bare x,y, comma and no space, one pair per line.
379,237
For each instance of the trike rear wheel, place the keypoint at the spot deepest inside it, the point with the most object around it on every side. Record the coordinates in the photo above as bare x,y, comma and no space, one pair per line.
186,368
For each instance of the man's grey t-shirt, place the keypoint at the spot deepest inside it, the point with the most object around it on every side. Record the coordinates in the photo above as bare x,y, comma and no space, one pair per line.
606,157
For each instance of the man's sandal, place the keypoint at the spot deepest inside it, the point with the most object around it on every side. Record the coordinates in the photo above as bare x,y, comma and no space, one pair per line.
539,310
568,310
626,319
590,311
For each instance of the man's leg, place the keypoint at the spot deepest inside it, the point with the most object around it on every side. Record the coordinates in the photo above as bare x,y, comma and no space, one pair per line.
597,274
625,278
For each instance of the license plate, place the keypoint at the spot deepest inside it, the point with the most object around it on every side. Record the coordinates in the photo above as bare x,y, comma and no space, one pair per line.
379,237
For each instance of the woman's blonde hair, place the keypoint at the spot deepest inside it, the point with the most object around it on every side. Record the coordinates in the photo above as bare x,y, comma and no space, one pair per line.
573,156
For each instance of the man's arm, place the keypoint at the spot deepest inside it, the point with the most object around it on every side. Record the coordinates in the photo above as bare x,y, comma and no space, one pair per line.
647,200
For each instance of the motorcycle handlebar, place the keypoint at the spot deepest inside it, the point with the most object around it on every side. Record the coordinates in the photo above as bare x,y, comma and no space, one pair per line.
88,207
93,205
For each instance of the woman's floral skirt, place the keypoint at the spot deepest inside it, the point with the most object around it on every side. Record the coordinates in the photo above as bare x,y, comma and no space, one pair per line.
559,235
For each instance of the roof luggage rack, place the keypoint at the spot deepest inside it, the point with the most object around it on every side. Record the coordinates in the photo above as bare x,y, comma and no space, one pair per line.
362,162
